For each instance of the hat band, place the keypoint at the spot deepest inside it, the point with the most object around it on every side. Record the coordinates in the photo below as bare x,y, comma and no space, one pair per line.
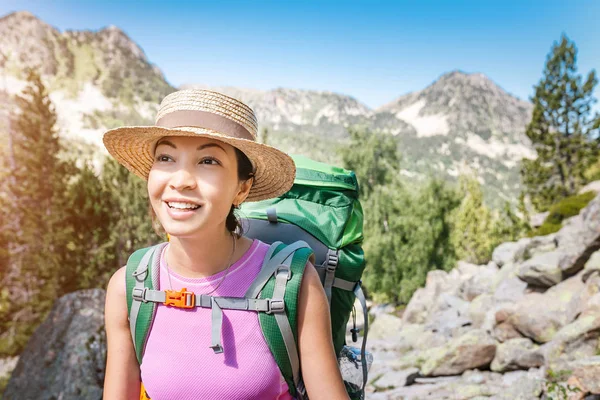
203,119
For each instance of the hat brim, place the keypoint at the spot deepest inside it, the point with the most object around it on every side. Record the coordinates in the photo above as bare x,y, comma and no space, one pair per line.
132,147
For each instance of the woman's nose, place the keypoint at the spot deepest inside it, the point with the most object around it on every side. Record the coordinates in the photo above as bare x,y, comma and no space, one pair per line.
182,179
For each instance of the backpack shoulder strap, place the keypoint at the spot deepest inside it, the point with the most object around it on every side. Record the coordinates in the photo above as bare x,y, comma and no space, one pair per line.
141,274
282,273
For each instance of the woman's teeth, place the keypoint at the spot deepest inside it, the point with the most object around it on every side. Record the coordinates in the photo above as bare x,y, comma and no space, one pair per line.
183,206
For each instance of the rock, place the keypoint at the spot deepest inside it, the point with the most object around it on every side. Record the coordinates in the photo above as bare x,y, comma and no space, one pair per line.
539,316
65,357
449,314
417,310
474,349
592,265
479,309
510,290
542,270
385,326
590,187
413,337
521,385
379,309
509,252
574,341
536,220
587,372
394,379
515,354
505,331
479,283
580,238
7,365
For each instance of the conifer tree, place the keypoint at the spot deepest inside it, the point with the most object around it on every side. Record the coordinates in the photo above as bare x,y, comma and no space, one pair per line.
35,192
89,223
562,129
130,220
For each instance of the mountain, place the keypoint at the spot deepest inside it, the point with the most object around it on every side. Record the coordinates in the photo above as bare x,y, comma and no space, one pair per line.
102,79
95,78
460,123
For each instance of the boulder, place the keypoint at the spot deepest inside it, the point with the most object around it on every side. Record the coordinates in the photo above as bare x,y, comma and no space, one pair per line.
579,238
574,341
474,349
449,314
385,326
66,356
593,186
479,283
540,315
536,220
587,372
516,354
591,266
509,252
542,270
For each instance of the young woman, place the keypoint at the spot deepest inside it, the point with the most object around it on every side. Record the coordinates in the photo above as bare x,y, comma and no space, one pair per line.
201,161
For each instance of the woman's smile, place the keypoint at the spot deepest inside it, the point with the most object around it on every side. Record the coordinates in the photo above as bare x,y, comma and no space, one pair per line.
181,211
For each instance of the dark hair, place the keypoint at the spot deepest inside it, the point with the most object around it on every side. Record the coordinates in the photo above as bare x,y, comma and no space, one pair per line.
245,172
232,223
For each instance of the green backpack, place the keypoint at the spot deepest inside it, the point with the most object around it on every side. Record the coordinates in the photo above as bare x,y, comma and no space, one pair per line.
319,218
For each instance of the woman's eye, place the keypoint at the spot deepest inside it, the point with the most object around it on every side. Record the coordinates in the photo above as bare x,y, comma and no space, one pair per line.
162,158
209,161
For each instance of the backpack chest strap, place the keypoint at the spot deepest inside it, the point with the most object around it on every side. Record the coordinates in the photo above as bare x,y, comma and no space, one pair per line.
185,299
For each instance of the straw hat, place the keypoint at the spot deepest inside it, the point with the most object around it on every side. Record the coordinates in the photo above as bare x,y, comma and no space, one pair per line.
205,113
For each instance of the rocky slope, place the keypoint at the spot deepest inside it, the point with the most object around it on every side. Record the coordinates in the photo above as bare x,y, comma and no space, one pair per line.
498,331
102,79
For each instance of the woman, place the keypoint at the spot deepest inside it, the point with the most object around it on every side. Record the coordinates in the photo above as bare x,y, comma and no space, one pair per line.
201,161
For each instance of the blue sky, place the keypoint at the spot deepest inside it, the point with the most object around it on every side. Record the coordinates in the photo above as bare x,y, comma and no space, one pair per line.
374,51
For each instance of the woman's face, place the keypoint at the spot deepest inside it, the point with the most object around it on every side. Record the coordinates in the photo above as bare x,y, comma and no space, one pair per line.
193,183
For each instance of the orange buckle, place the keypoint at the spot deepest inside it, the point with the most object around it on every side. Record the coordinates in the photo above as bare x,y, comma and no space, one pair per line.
181,299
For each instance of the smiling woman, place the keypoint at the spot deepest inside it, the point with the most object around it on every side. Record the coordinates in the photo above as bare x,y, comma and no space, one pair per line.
201,161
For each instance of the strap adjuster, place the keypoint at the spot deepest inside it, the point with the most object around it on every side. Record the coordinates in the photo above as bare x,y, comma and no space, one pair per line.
332,261
139,294
275,306
284,268
181,299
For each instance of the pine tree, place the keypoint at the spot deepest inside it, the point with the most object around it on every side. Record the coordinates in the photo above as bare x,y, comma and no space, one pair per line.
89,223
130,223
562,129
406,229
374,157
35,193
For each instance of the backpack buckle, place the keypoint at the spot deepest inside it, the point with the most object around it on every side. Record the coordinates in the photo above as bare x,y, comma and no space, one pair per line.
139,294
181,299
275,306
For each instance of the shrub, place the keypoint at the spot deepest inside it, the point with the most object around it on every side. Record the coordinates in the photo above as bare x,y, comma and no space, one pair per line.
567,207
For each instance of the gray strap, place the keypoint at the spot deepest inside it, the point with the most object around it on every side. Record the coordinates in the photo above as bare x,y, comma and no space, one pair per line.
344,284
217,325
272,215
363,355
264,274
283,323
139,274
205,301
330,266
270,266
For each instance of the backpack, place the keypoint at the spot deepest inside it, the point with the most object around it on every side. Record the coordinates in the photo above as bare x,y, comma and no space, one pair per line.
318,219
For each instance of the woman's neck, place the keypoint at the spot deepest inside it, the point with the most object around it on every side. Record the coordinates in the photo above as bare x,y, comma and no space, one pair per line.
193,258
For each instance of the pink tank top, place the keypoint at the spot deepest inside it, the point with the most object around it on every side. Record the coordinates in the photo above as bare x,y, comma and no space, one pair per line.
178,362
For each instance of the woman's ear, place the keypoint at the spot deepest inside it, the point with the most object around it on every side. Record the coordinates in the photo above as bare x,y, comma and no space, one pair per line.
243,192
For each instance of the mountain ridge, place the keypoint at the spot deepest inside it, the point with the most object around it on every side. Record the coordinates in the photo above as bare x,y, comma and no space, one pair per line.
102,79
